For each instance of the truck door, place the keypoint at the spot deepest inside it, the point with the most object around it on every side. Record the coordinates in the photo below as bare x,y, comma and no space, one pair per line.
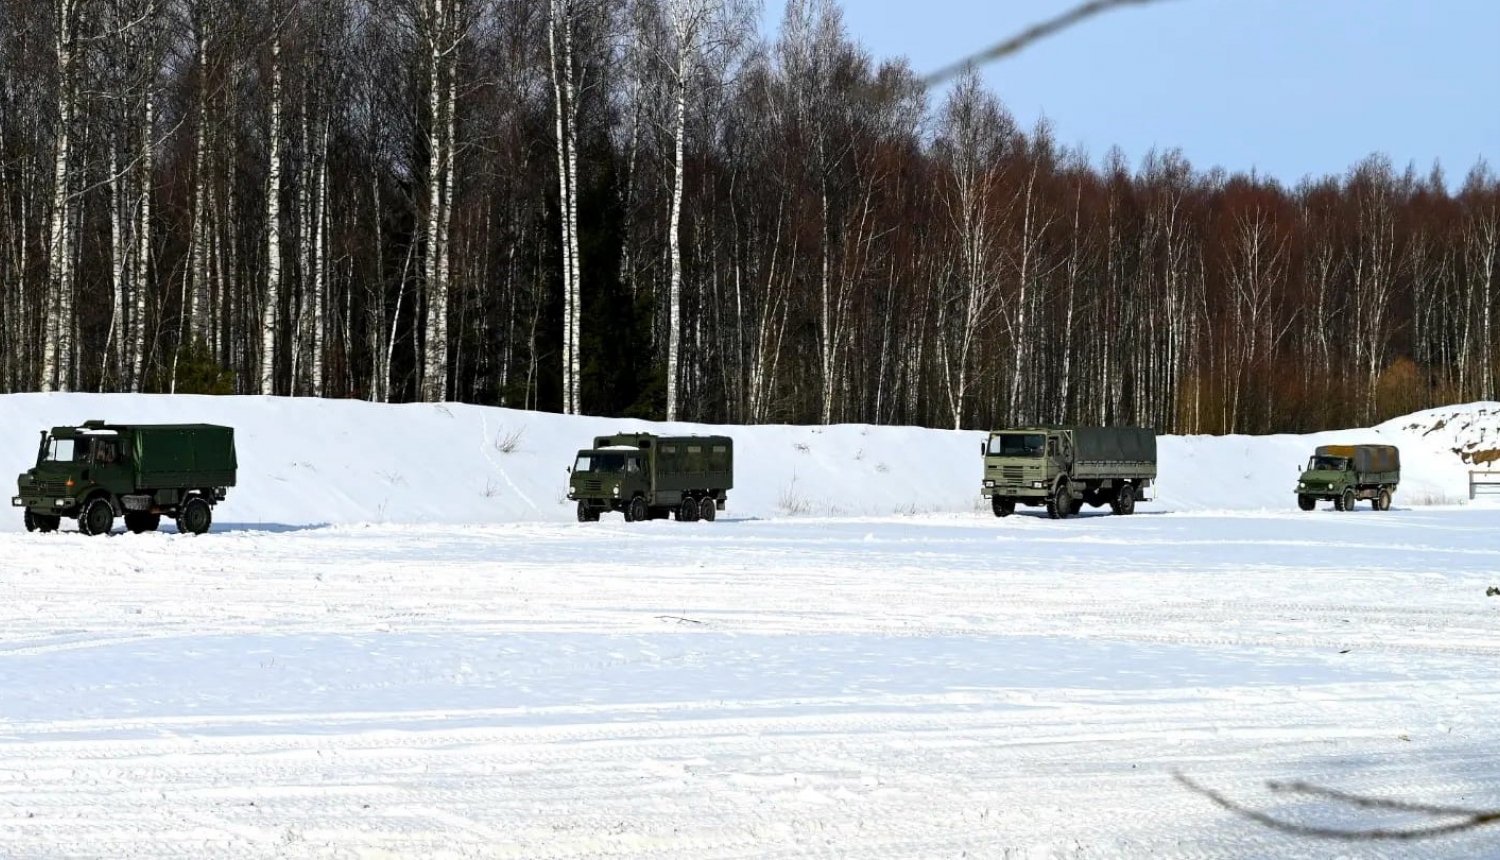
107,466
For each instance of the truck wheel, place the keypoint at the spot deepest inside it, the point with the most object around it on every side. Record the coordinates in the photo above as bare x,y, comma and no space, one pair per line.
97,517
1306,503
636,511
139,522
1125,500
1002,507
1061,503
1383,500
707,509
195,517
688,513
1346,499
41,522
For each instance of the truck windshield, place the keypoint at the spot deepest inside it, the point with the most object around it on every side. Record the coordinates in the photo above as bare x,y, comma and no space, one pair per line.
64,450
1017,445
606,463
1325,463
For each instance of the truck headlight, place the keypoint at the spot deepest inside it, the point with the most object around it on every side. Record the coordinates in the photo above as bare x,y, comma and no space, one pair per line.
60,503
617,489
1036,485
17,501
989,483
1301,485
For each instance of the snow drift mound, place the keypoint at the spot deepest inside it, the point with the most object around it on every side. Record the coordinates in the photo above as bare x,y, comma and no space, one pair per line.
306,461
1471,431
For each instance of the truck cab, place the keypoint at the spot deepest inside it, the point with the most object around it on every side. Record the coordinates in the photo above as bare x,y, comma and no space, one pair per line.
604,475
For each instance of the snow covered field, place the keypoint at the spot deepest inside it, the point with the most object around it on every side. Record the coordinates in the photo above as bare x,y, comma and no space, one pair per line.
892,682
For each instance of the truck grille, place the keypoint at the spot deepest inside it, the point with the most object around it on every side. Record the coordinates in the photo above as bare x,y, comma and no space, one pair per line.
1012,474
52,488
593,486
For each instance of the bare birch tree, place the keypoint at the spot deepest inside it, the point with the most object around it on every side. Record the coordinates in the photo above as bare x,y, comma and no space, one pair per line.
974,135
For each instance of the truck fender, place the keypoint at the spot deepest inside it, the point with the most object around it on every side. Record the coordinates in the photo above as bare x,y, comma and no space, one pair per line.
114,503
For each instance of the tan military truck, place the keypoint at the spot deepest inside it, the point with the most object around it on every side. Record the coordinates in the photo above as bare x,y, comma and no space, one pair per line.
1064,468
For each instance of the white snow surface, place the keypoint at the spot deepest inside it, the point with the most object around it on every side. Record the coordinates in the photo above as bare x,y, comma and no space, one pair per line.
394,644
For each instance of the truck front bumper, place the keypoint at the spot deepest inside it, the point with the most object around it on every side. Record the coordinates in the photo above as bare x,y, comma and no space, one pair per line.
1026,490
41,503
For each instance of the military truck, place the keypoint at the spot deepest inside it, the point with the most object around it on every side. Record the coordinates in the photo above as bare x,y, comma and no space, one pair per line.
1064,468
98,471
649,477
1348,473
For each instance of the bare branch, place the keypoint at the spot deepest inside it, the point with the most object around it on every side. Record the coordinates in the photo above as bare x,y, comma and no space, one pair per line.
1025,38
1471,818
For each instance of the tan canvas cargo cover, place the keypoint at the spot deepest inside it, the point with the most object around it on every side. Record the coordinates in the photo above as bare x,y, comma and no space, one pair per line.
1367,458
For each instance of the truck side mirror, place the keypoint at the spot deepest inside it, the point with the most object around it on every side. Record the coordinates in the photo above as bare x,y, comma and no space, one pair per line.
568,469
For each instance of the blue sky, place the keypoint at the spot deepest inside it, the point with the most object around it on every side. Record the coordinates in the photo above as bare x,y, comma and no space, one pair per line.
1286,87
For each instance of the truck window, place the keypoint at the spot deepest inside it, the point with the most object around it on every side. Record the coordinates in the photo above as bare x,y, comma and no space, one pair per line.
106,452
62,450
632,465
1016,445
1051,447
600,463
1326,463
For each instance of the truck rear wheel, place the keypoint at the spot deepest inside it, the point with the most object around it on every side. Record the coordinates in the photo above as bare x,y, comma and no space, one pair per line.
688,512
1002,507
141,522
1306,502
1124,500
41,522
195,517
96,517
707,509
1383,500
1346,500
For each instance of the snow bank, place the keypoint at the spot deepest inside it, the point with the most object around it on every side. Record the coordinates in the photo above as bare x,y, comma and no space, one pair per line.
305,461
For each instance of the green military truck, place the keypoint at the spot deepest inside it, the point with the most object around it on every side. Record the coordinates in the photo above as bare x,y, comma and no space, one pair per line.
1064,468
648,477
1348,473
142,472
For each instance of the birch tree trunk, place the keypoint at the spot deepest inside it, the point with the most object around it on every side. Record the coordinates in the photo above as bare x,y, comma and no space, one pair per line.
57,349
443,35
117,266
318,301
270,306
561,14
137,371
674,239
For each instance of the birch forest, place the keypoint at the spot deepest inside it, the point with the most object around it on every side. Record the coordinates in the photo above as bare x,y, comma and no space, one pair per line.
652,208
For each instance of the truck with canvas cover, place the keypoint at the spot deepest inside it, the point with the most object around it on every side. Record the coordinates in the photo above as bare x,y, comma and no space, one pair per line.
648,477
1064,468
1347,473
98,471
